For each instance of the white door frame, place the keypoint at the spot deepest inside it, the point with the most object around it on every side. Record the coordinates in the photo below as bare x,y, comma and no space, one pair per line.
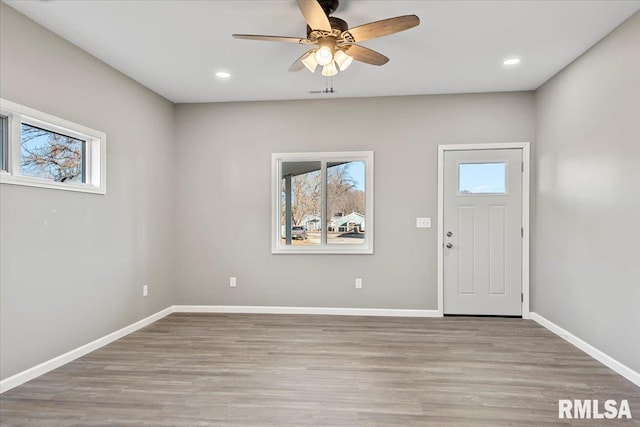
525,146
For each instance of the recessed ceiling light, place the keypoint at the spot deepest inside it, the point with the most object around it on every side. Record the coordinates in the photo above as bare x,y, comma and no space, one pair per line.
223,74
511,61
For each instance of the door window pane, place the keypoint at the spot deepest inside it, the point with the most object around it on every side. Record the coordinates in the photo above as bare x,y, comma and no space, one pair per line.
482,178
346,203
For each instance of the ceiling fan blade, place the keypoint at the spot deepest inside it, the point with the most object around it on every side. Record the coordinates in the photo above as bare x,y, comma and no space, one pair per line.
271,38
384,27
314,15
366,55
299,65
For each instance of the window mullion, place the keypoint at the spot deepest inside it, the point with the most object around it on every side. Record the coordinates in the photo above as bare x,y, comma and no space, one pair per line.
87,176
14,145
4,143
323,201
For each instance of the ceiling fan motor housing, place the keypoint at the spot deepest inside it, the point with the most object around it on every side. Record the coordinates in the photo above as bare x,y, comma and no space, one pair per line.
329,6
337,25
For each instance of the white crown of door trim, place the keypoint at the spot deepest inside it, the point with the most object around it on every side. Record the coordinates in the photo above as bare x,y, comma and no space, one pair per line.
525,147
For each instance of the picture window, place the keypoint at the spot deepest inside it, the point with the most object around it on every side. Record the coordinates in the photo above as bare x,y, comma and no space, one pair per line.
323,202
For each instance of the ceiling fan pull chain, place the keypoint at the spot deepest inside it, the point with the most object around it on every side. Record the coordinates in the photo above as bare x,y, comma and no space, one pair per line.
328,87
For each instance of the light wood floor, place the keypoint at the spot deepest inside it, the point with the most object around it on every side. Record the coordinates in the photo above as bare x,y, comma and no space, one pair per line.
300,370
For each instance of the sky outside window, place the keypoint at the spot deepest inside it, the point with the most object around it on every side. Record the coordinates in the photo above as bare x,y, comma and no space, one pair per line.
482,178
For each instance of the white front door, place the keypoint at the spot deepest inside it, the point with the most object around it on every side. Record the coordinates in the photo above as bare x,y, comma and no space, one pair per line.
482,232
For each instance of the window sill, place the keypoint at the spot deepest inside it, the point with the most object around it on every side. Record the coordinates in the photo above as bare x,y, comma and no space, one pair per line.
322,250
6,178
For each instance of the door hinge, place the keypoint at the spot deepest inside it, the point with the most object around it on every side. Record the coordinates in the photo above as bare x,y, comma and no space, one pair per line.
521,297
522,232
522,166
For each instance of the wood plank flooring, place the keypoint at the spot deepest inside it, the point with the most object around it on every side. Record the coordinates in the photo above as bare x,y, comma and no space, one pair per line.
302,370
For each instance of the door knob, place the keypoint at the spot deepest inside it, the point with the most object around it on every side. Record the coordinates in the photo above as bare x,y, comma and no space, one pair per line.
449,245
449,234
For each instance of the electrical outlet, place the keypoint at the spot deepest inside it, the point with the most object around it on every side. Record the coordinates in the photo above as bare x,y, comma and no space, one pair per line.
358,283
145,290
232,282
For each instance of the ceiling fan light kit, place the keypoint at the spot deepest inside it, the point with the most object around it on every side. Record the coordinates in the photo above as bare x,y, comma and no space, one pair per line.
330,70
309,61
324,53
343,60
335,43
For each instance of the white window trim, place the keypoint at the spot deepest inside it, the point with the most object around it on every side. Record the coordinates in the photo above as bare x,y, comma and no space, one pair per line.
96,149
276,182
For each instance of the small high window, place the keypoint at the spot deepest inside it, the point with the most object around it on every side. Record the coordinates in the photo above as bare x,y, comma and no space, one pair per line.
323,203
41,150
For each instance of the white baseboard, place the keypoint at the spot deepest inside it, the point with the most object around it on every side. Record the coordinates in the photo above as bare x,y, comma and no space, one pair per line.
304,310
601,357
44,367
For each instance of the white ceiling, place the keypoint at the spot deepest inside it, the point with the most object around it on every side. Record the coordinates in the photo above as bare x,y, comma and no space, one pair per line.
175,47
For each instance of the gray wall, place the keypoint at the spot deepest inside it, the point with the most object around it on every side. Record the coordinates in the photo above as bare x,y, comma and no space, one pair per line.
586,259
223,194
72,265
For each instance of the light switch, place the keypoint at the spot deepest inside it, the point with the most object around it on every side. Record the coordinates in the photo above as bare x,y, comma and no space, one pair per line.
423,222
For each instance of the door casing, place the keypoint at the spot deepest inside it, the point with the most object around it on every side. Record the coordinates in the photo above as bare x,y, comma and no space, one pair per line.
525,147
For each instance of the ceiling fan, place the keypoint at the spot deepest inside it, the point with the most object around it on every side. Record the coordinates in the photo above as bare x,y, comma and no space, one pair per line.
334,43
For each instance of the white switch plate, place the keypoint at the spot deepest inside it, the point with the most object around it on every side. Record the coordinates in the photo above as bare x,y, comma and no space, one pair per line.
358,283
145,290
232,282
423,222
